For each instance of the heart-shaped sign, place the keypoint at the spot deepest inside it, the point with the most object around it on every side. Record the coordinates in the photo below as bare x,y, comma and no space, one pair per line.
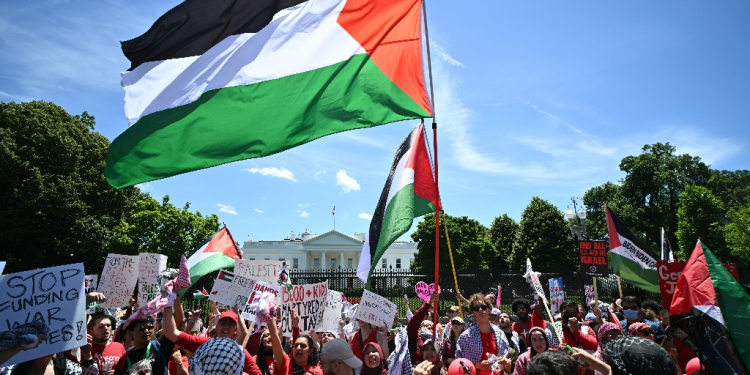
424,291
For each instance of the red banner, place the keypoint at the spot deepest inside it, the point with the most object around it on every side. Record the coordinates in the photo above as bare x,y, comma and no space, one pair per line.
670,272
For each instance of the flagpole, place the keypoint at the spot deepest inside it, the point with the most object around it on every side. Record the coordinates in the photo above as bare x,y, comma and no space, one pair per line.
435,146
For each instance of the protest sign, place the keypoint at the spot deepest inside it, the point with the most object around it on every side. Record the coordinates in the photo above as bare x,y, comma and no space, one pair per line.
593,258
309,301
230,289
499,294
2,267
424,291
259,287
264,270
375,310
118,280
332,314
51,295
556,294
89,285
533,279
589,291
668,274
149,266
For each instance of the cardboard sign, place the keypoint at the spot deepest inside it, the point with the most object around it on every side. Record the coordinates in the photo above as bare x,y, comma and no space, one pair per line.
230,289
589,291
593,258
375,310
89,285
264,270
259,287
53,295
556,294
309,301
149,267
118,280
332,314
424,291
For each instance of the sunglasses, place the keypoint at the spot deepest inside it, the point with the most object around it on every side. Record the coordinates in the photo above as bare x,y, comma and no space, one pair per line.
480,307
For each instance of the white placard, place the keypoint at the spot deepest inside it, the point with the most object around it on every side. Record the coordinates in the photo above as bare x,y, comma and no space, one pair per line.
149,266
556,294
89,285
309,301
264,270
53,295
589,291
230,289
534,278
118,280
2,267
259,287
375,310
332,314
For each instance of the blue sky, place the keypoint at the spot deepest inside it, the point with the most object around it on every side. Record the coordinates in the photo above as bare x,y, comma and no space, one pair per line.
532,99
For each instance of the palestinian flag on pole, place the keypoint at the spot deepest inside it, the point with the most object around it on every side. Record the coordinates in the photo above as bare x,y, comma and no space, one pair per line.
219,251
409,192
216,81
630,258
200,294
706,292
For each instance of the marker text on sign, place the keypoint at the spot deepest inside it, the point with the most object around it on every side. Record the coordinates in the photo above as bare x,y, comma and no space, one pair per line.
309,301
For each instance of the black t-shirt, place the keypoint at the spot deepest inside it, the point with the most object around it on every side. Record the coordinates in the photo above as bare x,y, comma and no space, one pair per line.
521,342
158,366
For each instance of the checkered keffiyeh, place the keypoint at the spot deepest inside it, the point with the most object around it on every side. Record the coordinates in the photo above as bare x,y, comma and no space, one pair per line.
636,356
218,356
400,363
469,344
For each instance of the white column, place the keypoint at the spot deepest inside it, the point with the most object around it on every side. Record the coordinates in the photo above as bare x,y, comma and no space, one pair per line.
303,265
342,260
323,261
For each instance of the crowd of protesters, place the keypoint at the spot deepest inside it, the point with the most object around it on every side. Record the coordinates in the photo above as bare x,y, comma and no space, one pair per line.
629,338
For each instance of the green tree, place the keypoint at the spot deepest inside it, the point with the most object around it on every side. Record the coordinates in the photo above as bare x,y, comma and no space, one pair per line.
56,207
738,233
503,234
544,237
701,214
162,229
470,242
732,187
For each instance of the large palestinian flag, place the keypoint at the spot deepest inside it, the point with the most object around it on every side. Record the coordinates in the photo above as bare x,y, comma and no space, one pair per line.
409,192
219,251
630,258
215,81
706,291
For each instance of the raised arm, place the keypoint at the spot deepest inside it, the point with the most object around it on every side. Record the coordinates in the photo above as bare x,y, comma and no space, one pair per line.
241,327
169,327
278,350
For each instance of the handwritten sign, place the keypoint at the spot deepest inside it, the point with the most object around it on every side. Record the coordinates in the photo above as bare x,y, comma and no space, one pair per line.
89,285
593,258
149,266
264,270
247,312
52,295
118,280
375,309
230,289
332,314
556,294
589,291
424,291
309,301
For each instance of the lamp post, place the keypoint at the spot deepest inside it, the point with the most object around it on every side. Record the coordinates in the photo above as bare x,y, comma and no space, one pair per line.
577,224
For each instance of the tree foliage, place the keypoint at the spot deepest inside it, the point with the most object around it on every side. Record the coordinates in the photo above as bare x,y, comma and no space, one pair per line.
596,218
503,234
738,231
470,242
56,207
701,214
162,229
544,237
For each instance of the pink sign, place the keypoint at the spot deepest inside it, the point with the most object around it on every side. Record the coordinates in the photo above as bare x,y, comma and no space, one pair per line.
424,291
499,293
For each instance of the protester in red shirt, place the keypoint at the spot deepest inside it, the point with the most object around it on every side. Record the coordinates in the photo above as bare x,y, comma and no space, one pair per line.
304,359
575,334
525,322
105,352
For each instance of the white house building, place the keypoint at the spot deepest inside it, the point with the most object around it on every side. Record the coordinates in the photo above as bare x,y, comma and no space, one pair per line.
330,250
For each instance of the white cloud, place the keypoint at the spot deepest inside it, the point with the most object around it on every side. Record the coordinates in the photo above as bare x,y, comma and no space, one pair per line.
440,51
258,211
226,208
144,186
365,216
303,205
696,142
304,214
318,173
348,183
275,172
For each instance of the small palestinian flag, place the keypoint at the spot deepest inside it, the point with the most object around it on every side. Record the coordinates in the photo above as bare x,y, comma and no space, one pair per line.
201,294
630,258
225,276
710,310
409,192
216,81
219,251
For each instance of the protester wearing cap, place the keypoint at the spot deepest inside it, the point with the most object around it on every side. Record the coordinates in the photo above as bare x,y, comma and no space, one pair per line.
451,312
304,355
449,344
337,358
641,330
483,338
226,326
495,316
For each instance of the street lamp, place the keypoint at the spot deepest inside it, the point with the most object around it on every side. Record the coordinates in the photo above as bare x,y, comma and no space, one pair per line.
579,230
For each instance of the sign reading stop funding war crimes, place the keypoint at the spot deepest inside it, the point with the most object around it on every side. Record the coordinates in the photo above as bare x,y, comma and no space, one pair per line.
593,258
556,294
50,295
149,267
332,314
264,270
309,301
118,280
89,285
230,289
375,310
247,312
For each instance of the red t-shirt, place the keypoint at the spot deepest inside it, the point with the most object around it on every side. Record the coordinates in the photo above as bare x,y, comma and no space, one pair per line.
488,346
287,368
106,356
191,344
172,366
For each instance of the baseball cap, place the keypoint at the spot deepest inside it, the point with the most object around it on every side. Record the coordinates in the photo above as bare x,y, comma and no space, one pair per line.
229,315
457,320
495,311
339,350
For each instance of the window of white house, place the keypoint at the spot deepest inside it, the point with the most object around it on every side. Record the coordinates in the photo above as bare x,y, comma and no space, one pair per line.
295,263
316,264
349,263
252,258
333,264
282,259
384,263
398,262
266,258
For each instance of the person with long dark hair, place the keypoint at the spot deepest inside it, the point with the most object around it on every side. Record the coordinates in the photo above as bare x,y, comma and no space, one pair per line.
449,345
304,355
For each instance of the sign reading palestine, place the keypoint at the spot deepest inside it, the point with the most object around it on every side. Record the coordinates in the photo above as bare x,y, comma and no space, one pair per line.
593,258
